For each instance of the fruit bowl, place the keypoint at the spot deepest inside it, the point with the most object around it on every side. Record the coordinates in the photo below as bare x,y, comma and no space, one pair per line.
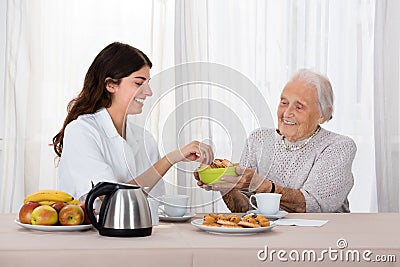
212,176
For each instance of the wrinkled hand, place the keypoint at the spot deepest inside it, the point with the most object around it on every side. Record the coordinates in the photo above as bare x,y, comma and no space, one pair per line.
200,183
206,186
247,180
194,151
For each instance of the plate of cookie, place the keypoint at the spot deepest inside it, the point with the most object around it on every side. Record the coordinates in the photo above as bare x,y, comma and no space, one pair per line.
233,224
278,215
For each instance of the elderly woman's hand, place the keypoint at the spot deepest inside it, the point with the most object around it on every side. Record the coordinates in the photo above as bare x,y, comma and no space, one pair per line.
247,180
200,183
208,187
222,190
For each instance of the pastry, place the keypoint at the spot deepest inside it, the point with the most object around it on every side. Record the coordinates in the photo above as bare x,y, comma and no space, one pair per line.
226,222
220,216
212,224
234,218
264,223
218,163
249,224
248,217
209,218
231,226
235,221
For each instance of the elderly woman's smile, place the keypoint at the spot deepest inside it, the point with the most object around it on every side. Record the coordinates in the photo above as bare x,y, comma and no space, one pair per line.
298,111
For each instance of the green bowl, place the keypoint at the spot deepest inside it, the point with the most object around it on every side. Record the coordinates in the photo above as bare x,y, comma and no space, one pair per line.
212,176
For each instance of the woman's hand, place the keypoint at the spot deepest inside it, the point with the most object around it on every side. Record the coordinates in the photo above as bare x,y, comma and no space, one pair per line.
194,151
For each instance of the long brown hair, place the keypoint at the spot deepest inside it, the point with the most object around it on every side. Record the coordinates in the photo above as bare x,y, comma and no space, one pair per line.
116,61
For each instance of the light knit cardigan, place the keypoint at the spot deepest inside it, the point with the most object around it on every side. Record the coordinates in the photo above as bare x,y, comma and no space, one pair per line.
321,170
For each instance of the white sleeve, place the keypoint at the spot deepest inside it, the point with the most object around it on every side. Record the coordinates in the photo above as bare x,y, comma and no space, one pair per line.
152,147
154,156
82,160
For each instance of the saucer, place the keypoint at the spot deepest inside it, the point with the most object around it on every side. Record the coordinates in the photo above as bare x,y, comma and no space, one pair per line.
166,218
278,215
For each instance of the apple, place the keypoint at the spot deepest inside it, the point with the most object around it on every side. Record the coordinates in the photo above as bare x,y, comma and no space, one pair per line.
71,215
58,206
44,215
26,211
86,220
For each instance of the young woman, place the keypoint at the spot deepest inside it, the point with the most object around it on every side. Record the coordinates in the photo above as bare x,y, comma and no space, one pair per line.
92,145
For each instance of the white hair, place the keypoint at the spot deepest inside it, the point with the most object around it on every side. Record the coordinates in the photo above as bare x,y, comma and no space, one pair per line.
324,90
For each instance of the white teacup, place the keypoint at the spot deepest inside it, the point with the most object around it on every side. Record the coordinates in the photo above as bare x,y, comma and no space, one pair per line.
175,205
267,203
153,204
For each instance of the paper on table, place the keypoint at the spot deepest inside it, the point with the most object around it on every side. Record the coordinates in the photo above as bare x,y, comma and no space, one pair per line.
300,222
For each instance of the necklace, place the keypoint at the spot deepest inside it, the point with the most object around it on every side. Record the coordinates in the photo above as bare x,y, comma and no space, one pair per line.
288,148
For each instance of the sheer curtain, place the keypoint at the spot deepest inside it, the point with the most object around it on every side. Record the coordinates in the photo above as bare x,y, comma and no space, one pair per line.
49,45
267,41
387,97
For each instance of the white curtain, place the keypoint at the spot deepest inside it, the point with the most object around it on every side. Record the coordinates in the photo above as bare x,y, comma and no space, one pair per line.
387,111
50,44
269,40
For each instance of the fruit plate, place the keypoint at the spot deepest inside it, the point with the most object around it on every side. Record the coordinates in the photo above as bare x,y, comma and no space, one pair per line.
55,228
232,231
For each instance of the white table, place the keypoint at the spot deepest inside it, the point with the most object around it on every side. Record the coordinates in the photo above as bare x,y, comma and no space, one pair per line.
181,244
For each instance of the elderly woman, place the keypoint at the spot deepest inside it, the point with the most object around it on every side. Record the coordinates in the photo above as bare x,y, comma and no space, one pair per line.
308,165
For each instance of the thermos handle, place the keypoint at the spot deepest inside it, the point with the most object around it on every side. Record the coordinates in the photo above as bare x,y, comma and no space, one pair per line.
100,189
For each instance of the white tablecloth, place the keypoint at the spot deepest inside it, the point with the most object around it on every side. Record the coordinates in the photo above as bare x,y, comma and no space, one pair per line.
181,244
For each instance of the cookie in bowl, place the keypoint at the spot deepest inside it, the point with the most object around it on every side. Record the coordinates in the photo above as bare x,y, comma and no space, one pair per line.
211,174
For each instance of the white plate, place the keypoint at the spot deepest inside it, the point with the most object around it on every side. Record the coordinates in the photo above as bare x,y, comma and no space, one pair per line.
54,228
235,231
278,215
184,218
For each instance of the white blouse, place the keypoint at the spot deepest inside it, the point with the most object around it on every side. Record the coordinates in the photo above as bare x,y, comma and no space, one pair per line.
94,151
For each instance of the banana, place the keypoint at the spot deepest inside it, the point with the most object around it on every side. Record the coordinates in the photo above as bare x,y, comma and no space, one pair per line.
49,195
46,202
49,202
74,202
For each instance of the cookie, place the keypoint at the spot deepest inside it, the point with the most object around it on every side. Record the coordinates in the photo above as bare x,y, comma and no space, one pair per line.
264,223
226,163
231,226
209,218
250,220
245,217
260,217
211,224
220,217
226,222
234,218
249,224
